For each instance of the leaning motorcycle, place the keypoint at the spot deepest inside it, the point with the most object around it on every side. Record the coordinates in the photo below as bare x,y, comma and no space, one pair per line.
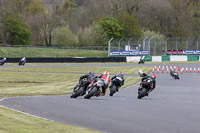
22,63
79,89
175,75
141,62
144,88
94,89
116,84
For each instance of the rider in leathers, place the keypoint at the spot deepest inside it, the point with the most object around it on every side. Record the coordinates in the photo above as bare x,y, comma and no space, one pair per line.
118,75
89,78
105,77
152,81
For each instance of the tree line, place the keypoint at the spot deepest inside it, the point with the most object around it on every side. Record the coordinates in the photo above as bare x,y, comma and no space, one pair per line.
94,22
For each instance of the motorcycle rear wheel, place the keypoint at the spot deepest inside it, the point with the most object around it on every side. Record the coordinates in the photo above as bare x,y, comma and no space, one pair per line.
112,90
91,93
77,93
142,93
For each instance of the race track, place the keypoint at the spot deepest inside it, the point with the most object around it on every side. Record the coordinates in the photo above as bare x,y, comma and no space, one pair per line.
173,107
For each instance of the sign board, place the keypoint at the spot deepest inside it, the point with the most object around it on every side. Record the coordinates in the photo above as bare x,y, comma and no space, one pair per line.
130,53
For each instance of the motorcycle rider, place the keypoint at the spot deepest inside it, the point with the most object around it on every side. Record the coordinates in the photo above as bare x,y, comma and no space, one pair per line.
141,73
2,61
172,72
89,78
22,61
120,74
105,77
152,82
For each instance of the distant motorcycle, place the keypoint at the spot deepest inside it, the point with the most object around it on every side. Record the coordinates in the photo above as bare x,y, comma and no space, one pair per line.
116,84
141,61
174,75
79,90
94,89
22,61
144,89
2,62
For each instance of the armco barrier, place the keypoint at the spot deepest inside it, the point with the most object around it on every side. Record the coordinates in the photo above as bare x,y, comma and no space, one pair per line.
68,60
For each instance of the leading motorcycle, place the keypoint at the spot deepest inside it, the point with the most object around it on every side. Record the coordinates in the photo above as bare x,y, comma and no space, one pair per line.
174,75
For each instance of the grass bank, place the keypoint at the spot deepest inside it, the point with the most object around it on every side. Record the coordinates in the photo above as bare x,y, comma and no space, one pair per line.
49,52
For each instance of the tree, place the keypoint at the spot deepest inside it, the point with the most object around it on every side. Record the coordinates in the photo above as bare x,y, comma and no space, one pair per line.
16,31
53,18
112,28
131,25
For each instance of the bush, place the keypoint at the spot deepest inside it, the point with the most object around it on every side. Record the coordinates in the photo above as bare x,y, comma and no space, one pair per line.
16,31
62,36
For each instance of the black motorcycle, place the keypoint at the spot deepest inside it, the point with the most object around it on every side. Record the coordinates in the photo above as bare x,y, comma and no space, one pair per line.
116,84
22,62
174,75
79,90
94,89
141,61
3,61
144,89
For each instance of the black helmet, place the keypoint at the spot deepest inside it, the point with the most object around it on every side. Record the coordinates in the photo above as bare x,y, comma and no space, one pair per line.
92,72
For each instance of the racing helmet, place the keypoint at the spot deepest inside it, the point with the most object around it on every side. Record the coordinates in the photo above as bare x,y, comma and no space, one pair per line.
92,72
154,76
140,72
106,72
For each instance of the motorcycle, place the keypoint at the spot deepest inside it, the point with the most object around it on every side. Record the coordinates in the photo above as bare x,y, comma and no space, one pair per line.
94,89
144,88
141,61
2,62
79,90
116,84
174,75
22,62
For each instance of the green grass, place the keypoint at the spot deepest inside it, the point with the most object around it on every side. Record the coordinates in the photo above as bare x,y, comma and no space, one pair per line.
49,52
23,81
14,122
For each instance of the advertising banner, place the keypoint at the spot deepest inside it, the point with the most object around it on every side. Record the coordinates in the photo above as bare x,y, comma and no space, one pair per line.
183,52
191,52
130,53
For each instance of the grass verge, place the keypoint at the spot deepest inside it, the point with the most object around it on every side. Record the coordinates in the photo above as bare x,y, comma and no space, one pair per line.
29,81
14,122
49,52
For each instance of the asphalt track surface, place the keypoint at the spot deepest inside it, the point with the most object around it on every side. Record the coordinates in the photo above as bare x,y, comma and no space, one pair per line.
173,107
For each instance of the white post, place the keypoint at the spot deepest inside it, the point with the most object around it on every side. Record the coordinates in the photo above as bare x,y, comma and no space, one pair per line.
144,42
109,46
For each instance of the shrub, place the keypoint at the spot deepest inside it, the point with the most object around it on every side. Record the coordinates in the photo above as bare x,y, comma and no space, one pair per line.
62,36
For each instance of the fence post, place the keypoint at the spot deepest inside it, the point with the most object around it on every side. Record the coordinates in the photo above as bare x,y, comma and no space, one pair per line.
129,43
154,46
149,44
144,42
197,43
119,44
109,46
